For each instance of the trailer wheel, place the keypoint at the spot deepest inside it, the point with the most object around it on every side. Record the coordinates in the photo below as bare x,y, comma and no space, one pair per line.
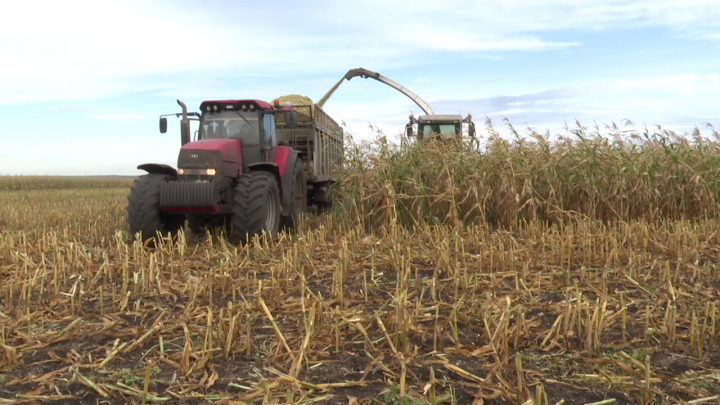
256,206
322,195
298,197
143,210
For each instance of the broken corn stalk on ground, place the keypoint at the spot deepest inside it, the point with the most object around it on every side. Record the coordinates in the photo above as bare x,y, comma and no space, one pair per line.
530,272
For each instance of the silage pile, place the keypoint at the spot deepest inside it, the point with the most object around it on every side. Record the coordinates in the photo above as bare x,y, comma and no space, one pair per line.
298,100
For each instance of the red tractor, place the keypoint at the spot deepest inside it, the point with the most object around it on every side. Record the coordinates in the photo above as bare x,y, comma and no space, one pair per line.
234,173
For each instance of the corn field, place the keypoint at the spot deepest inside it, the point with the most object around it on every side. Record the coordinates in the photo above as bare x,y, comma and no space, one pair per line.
581,270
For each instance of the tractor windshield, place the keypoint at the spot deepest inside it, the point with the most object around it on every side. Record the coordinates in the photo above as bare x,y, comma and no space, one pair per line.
447,130
231,125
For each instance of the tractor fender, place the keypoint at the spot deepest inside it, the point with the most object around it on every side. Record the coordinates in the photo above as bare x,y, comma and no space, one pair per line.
288,177
268,167
158,168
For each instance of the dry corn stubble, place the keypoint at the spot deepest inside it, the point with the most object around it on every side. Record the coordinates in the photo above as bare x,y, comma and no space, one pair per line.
581,310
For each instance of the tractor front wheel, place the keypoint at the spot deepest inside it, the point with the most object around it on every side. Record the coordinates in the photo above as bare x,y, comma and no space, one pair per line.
256,206
143,210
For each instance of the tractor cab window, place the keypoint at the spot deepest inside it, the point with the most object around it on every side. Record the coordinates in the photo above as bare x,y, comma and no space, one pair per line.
241,125
446,130
269,127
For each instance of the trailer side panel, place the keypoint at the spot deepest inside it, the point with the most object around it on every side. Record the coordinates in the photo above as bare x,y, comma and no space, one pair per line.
318,138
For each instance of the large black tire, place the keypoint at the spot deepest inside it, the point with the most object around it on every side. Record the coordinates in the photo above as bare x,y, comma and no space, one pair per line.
256,206
298,196
143,210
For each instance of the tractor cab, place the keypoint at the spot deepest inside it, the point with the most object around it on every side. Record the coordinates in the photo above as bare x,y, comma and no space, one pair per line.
250,121
439,126
233,127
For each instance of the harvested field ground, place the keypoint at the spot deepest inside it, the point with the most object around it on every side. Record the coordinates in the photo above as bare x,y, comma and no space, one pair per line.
365,309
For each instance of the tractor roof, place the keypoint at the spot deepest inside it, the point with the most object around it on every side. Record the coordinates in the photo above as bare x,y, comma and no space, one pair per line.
261,104
440,117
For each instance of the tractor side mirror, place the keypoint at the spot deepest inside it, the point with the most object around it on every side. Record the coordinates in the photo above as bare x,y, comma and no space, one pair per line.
409,130
163,125
291,119
471,129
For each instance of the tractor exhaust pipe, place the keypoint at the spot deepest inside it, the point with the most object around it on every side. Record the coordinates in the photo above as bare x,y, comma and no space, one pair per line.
184,125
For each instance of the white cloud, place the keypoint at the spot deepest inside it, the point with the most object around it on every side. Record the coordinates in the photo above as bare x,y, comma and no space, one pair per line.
517,111
428,24
125,117
83,49
464,38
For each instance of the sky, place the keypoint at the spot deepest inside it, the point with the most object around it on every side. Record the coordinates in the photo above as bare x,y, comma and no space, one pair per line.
83,83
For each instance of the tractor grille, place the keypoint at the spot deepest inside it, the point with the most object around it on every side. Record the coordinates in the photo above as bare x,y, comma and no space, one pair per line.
200,159
188,194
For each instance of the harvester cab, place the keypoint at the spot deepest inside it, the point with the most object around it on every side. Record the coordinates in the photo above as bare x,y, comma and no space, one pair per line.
235,172
439,126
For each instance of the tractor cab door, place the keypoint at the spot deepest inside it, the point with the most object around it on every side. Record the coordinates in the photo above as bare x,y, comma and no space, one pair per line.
268,138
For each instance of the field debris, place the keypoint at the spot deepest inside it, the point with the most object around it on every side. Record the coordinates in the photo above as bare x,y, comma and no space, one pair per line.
532,274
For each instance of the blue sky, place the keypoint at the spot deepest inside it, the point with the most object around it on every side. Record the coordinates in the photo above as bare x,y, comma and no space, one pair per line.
83,82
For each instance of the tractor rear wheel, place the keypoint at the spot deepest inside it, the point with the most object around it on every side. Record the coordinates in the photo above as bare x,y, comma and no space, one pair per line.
256,206
143,210
298,197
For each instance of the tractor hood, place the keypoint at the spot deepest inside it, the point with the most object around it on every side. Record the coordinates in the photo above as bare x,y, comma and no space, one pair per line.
229,149
223,155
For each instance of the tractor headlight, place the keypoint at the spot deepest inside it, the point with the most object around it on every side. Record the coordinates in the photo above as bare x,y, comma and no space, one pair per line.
197,172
